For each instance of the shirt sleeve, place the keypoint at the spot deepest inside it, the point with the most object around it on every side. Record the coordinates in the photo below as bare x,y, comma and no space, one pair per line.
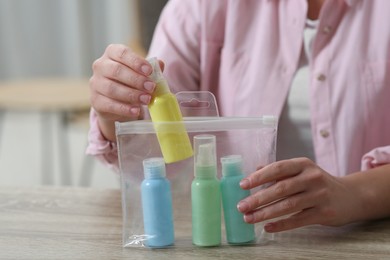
176,42
98,146
376,157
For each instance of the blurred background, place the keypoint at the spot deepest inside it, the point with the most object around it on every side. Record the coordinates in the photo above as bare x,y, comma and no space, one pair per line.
47,48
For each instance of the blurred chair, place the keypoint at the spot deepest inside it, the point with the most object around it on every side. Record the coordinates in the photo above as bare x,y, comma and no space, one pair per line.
58,96
148,13
137,47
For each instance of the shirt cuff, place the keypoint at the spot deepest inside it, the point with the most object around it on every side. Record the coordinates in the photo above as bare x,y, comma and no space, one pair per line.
98,146
376,157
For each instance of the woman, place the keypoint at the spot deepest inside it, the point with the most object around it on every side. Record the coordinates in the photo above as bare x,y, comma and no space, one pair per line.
322,66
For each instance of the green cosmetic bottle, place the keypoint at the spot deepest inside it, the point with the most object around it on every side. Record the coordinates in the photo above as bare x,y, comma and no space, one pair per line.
237,230
205,194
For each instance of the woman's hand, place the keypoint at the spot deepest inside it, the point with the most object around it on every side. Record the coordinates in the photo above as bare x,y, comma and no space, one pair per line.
119,86
301,192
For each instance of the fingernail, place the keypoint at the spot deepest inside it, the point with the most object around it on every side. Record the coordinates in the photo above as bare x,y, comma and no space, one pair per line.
248,218
135,111
269,227
149,86
145,99
146,70
243,206
244,183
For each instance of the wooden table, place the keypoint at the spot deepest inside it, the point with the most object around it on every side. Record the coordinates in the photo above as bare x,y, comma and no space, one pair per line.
60,97
86,223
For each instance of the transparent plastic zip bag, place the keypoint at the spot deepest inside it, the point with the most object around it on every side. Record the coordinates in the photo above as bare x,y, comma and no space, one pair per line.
146,221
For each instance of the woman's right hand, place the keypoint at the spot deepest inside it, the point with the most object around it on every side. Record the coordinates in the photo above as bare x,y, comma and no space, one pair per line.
119,86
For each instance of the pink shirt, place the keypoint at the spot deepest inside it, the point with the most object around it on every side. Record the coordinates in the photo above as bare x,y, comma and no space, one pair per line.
246,53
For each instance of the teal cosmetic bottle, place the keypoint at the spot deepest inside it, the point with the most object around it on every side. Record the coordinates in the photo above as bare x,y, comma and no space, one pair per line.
157,204
237,230
205,194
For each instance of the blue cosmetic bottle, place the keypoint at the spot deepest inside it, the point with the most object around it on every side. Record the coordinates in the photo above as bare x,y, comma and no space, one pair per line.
237,230
157,204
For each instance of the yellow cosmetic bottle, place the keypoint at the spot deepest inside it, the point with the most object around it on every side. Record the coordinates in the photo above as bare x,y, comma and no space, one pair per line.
167,119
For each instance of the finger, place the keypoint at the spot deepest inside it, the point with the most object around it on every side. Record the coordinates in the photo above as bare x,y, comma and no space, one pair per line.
127,57
104,105
300,219
280,208
274,172
162,64
117,91
259,167
124,75
277,191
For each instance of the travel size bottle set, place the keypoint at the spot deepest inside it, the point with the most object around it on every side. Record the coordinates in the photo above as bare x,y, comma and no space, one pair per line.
180,176
207,193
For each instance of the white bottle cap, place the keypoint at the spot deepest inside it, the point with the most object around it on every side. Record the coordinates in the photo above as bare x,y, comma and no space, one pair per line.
156,73
231,165
205,155
158,77
154,168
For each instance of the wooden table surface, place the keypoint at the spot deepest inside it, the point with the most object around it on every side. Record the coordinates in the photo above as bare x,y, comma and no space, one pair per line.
85,223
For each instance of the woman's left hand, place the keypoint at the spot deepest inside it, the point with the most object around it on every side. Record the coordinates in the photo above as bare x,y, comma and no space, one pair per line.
302,192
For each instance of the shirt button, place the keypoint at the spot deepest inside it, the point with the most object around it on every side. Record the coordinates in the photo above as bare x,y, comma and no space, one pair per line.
321,77
324,133
327,29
